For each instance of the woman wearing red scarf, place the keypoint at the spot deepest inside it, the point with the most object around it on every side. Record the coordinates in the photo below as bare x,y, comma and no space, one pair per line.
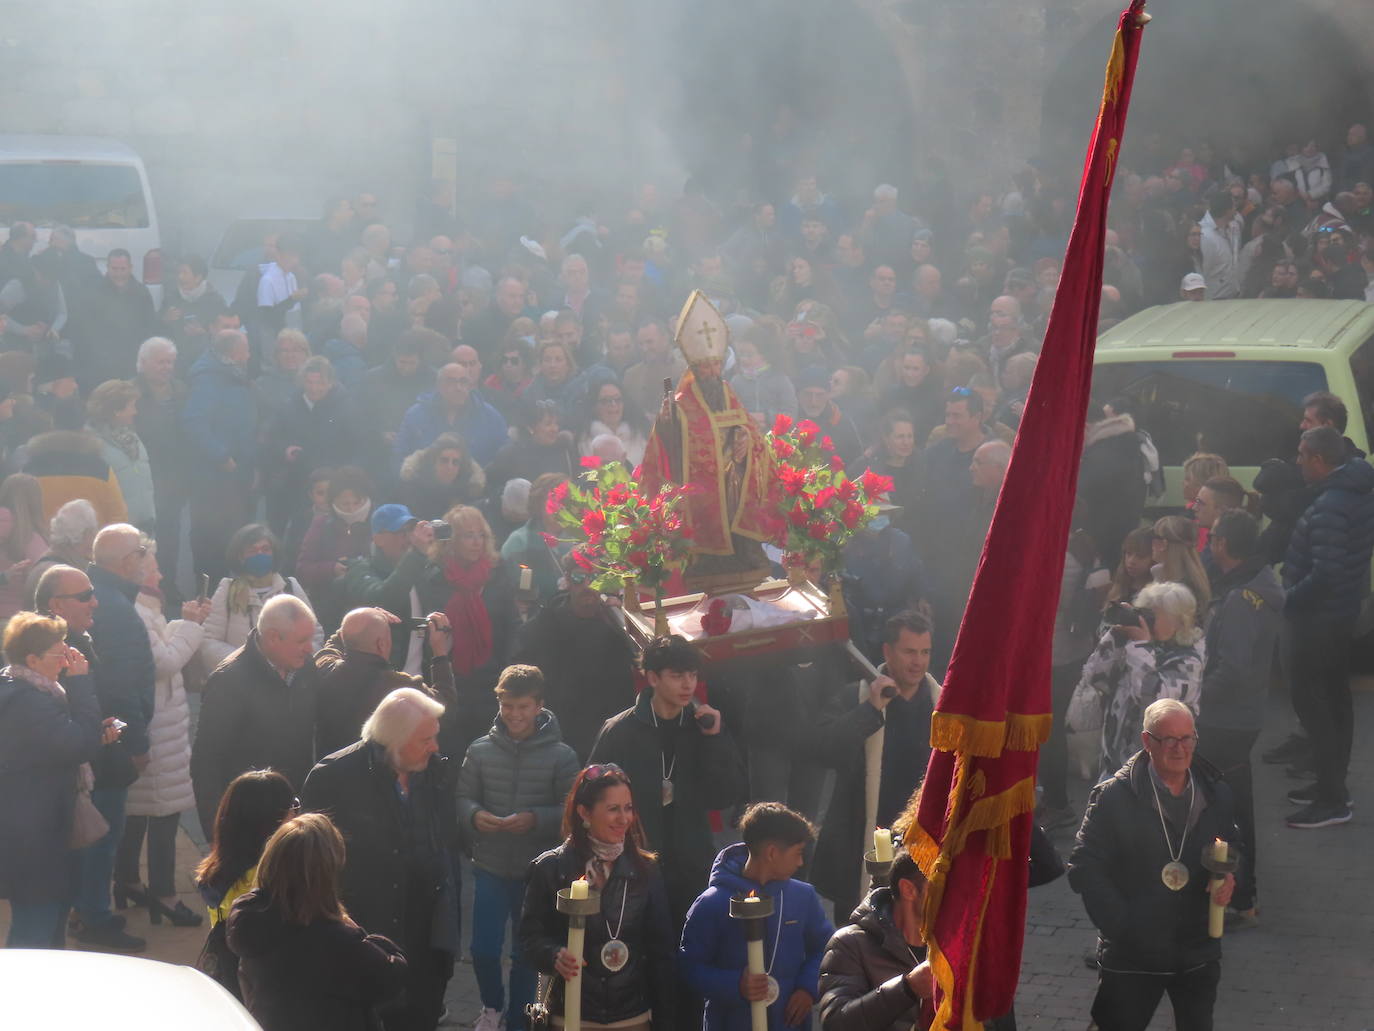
470,584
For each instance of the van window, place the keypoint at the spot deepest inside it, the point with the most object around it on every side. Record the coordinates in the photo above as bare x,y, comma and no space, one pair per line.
79,194
1245,411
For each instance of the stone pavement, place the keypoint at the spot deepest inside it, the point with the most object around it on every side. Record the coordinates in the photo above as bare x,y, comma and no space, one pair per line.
1309,965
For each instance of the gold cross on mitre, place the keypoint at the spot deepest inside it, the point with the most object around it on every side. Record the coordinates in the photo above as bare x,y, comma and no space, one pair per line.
701,332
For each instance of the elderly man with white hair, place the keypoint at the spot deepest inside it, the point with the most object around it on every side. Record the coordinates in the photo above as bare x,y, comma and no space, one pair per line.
1137,862
886,231
392,797
258,707
161,398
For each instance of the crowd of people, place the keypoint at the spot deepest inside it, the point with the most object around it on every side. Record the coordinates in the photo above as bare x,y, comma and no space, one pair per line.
401,675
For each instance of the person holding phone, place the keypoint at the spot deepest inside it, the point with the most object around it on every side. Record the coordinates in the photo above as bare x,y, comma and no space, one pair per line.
49,733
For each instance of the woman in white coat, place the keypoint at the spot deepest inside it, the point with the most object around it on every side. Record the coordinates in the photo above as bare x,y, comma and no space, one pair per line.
253,556
163,790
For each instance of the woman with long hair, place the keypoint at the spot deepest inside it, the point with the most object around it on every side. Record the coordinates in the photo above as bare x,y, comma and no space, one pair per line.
604,412
896,453
252,557
303,963
110,413
22,541
557,378
468,582
1174,551
436,478
1132,573
630,946
542,446
163,789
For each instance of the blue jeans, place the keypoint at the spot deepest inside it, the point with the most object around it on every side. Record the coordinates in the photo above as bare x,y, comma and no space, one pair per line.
97,860
496,902
37,925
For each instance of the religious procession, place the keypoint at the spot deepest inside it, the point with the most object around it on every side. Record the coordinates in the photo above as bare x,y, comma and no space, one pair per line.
798,604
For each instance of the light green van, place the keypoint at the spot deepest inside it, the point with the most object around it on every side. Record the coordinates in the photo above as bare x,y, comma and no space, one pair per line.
1229,376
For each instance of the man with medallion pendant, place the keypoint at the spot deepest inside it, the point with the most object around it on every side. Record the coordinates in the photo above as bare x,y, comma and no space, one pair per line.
1137,863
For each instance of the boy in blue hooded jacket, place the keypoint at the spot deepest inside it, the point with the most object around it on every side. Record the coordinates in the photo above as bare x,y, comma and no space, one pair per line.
713,956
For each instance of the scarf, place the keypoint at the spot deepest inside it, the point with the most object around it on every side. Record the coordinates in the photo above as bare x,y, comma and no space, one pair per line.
467,615
604,855
85,775
357,515
193,295
243,590
123,437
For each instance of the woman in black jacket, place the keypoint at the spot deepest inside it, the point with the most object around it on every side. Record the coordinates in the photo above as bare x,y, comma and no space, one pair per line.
303,964
49,733
436,478
629,950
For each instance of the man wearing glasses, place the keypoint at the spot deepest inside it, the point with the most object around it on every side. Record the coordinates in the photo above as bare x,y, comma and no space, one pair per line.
1137,863
124,677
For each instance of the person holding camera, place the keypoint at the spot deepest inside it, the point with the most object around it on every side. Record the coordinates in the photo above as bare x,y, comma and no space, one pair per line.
390,579
1150,650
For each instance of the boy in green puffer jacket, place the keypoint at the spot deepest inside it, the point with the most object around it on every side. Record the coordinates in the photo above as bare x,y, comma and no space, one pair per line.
510,809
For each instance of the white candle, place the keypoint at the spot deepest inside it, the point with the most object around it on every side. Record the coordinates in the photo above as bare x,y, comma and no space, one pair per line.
1216,912
882,845
526,578
758,1010
572,988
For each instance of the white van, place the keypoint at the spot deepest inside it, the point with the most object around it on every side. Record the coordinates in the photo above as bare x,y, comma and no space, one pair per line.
95,185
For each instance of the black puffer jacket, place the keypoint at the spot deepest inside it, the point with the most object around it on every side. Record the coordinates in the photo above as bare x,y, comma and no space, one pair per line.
1111,483
1326,570
647,981
862,974
1116,862
325,974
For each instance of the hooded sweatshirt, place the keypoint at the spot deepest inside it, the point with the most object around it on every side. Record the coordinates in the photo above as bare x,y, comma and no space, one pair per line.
714,952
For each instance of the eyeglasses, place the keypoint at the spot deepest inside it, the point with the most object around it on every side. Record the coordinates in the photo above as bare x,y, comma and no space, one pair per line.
1186,741
961,392
599,770
82,596
610,400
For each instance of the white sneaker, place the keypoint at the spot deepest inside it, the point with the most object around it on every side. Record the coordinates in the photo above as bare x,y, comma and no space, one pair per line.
490,1020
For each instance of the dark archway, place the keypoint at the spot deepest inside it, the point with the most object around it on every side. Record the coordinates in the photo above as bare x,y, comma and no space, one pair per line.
771,85
1245,76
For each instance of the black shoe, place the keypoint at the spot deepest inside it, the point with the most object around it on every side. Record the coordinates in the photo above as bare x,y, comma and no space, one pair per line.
124,894
178,914
107,936
1319,814
1295,747
1308,795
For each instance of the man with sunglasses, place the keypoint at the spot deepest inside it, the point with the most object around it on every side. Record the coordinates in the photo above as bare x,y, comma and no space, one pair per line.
1137,862
124,680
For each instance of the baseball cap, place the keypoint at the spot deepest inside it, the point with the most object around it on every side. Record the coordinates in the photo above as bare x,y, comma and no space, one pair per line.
392,519
1193,281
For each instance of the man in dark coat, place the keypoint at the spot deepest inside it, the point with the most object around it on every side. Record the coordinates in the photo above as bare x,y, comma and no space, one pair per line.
586,658
900,753
1325,579
118,317
124,682
390,577
356,674
161,399
874,976
681,762
258,708
384,395
1111,482
1137,862
391,796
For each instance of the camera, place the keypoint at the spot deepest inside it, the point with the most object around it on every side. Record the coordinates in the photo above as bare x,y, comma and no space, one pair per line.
1120,613
442,531
418,624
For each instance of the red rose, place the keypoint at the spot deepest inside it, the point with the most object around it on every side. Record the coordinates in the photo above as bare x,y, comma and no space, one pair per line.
797,517
818,531
827,444
781,448
550,540
793,480
836,462
781,424
848,489
824,496
876,485
853,512
807,431
556,498
594,523
591,461
583,562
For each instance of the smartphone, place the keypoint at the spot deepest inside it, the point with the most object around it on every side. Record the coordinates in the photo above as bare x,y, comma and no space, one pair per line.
118,724
204,586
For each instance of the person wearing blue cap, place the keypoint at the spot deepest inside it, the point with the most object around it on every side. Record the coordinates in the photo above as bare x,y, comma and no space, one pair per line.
388,579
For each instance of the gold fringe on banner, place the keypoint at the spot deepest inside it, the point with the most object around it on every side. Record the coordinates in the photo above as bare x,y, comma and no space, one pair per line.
953,732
